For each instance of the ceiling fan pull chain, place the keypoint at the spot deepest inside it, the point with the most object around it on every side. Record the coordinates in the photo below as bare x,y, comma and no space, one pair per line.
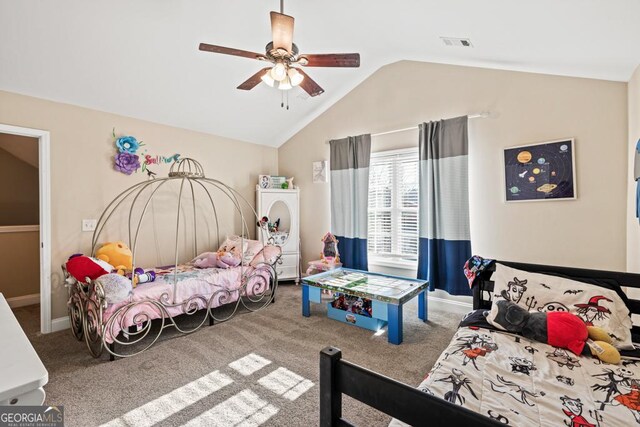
287,100
281,99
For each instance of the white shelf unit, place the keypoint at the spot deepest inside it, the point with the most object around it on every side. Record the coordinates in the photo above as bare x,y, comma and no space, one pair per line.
284,204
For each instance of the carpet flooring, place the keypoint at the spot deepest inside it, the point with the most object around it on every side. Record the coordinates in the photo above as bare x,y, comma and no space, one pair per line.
257,368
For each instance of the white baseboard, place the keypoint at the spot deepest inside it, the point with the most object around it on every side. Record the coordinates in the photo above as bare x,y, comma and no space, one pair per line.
466,305
24,300
60,324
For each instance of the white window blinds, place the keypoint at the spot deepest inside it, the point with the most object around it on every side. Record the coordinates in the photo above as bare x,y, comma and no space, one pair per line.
393,205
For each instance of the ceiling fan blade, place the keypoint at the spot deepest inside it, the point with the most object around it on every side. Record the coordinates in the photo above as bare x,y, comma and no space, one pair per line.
309,85
254,80
331,60
229,51
282,31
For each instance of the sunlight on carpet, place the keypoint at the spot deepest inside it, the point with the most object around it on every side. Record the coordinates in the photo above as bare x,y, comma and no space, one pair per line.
286,383
173,402
249,364
244,409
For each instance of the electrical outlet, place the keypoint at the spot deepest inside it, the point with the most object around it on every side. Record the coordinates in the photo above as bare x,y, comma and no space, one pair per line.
89,224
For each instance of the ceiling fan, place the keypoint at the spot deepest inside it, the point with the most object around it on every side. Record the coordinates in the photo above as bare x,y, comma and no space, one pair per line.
286,71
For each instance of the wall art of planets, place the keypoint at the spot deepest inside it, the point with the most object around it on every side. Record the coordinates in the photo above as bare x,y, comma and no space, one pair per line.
544,171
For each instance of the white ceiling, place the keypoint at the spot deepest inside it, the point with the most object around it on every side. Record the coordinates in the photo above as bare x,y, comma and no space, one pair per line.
140,58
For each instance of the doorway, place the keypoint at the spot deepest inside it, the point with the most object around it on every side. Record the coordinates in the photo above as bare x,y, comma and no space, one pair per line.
25,217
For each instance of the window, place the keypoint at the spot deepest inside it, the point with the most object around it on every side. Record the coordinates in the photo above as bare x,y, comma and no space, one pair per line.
393,206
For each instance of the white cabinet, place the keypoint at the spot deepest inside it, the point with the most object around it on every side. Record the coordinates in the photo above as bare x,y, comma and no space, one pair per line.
282,206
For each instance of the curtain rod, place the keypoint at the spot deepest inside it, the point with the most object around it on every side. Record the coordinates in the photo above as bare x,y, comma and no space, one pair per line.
483,115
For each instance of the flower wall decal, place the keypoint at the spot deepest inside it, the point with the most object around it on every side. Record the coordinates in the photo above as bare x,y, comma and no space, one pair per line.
127,161
128,144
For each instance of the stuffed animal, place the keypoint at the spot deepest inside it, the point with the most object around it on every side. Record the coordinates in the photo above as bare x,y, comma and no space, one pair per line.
206,260
140,276
116,254
81,267
557,328
227,260
116,288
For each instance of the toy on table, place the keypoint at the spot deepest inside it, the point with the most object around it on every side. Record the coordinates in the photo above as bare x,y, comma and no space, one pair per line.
80,267
557,328
117,254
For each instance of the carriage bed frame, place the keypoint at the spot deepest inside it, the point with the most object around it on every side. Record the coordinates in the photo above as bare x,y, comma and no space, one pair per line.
412,406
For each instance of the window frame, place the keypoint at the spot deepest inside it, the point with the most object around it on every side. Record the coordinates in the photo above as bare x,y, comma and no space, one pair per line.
395,258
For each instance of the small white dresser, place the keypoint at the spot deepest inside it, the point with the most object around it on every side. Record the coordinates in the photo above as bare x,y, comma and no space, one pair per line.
284,205
22,374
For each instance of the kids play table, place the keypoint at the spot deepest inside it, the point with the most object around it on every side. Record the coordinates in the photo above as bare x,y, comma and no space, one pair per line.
387,294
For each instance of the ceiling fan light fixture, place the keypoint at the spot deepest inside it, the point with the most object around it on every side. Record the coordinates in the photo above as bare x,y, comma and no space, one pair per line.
285,84
279,72
295,76
266,77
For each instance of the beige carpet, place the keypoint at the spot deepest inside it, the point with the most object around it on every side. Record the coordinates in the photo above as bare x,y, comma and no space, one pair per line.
194,378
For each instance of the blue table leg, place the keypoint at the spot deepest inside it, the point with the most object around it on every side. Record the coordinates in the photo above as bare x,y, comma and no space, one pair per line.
306,305
422,306
394,328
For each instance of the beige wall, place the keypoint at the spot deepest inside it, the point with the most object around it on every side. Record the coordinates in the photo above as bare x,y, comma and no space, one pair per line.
587,232
19,201
83,181
20,264
633,227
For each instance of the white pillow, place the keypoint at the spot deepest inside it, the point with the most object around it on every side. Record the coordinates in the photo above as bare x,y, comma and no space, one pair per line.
596,305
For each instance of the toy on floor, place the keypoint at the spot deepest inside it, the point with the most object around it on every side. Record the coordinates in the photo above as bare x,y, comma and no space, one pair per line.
117,254
80,267
558,328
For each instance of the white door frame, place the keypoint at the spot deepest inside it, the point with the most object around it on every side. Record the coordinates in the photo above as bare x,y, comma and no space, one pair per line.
44,171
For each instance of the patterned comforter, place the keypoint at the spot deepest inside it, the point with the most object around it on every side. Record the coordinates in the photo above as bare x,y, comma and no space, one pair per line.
524,383
225,285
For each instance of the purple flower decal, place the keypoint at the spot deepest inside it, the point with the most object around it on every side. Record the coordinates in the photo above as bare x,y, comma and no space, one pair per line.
126,163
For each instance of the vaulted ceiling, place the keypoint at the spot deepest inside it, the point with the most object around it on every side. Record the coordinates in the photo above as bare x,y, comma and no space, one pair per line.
140,58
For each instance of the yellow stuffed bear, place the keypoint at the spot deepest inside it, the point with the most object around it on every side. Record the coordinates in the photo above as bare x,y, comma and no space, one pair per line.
117,254
600,344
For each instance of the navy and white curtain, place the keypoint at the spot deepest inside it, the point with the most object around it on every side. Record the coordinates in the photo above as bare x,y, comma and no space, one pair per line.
350,158
445,240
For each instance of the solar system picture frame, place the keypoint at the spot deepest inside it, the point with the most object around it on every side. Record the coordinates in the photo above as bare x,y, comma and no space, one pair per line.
540,172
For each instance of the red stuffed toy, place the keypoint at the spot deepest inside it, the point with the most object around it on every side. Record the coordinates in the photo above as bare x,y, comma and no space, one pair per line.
81,267
558,328
566,330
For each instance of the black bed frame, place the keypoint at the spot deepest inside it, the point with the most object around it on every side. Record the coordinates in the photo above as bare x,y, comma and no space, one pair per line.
412,406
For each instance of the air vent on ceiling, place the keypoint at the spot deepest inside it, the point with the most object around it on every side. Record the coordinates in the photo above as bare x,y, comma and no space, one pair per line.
454,41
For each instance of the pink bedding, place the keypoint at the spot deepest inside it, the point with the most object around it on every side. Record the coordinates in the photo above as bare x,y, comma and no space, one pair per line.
190,281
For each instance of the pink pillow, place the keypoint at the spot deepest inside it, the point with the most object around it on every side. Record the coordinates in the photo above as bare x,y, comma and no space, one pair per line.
234,244
268,254
253,247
